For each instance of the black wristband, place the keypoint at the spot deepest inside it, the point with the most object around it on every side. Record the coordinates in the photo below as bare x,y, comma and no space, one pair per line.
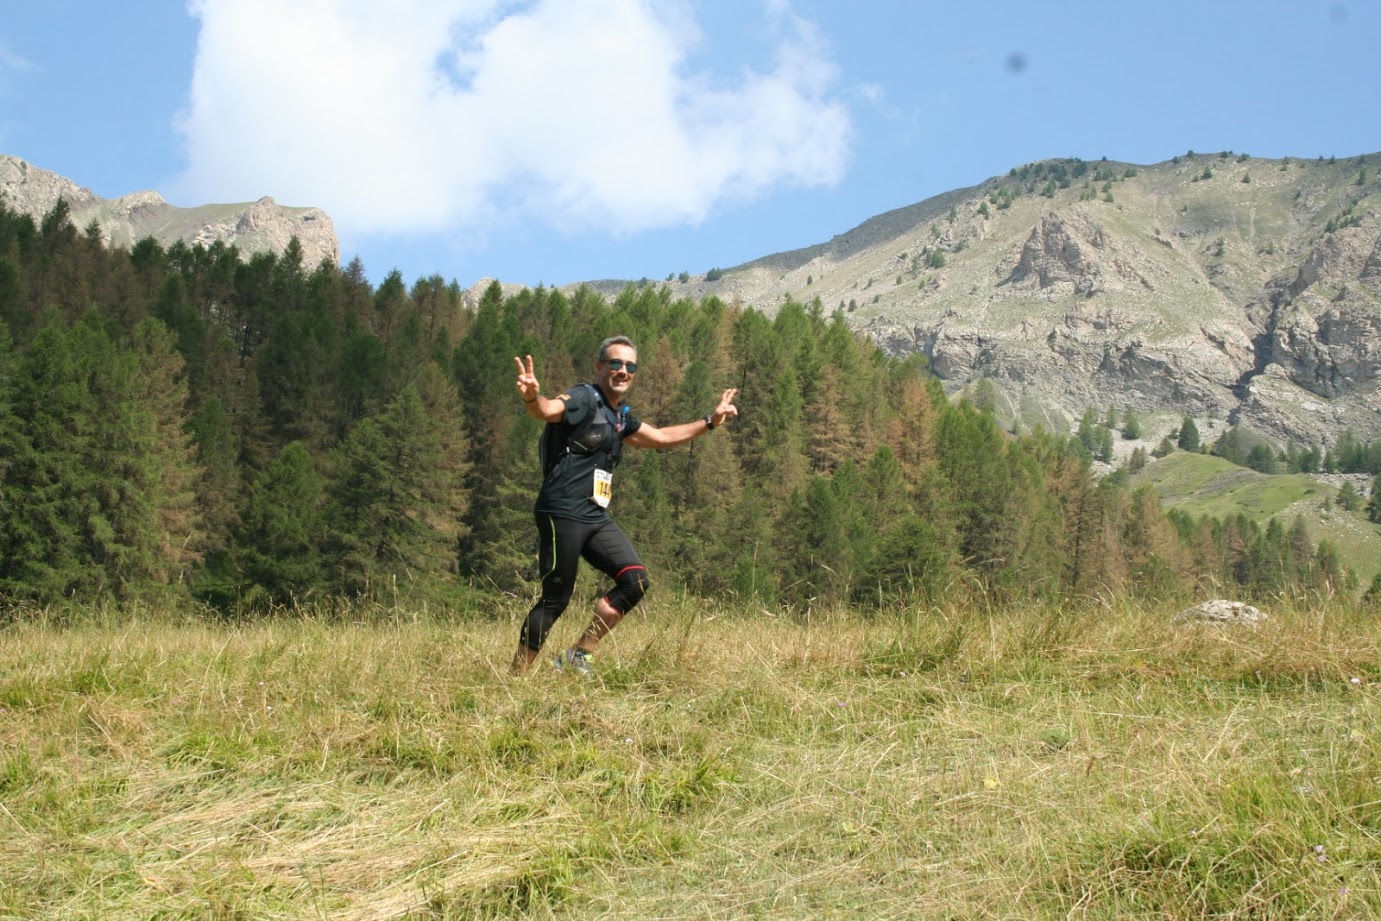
709,422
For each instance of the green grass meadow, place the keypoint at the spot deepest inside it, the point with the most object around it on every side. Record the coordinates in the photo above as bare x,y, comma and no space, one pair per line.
1202,484
1100,762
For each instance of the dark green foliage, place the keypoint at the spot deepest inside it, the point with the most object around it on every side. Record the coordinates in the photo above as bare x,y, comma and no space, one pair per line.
391,515
1353,456
1306,461
911,561
1188,439
263,433
83,486
1261,459
279,546
1095,437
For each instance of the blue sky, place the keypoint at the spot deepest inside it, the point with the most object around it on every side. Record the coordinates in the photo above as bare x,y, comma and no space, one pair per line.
554,141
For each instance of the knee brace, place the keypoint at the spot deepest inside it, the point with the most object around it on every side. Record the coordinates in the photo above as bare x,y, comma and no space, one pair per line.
630,584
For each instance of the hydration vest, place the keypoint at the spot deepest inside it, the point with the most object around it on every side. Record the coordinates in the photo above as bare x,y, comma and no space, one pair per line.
595,434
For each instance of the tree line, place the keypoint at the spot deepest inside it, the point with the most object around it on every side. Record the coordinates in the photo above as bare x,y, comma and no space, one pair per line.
249,433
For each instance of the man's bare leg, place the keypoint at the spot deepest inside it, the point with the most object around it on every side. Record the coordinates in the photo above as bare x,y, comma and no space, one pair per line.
606,618
523,659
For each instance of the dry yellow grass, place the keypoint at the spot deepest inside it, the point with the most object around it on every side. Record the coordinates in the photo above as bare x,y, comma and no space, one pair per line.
1091,763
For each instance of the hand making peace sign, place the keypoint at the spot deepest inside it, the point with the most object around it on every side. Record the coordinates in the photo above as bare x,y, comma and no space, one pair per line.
528,388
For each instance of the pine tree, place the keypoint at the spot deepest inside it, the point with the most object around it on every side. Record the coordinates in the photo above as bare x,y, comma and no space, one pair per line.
645,508
390,513
973,464
1097,561
55,280
83,518
814,560
17,233
1261,459
760,372
295,366
498,546
911,564
777,463
884,498
278,550
1268,561
44,554
219,487
1301,546
1327,572
1044,475
859,529
1188,439
1104,442
449,499
12,447
1088,432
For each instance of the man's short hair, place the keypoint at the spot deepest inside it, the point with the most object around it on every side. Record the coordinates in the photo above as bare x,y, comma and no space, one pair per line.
614,340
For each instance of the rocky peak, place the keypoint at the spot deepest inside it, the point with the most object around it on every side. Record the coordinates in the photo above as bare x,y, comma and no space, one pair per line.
255,227
1053,256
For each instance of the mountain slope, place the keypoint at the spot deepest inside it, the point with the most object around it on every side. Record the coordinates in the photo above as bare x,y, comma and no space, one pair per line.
1228,288
1200,484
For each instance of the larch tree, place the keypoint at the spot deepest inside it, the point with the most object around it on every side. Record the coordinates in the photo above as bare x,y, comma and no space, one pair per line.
171,452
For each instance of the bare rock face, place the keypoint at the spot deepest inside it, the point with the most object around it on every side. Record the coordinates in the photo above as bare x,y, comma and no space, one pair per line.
1226,288
1073,255
256,227
1328,334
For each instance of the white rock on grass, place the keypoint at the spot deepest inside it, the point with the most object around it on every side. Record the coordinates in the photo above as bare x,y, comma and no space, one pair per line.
1220,611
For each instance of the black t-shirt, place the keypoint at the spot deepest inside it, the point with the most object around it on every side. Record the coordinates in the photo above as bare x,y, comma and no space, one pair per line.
585,447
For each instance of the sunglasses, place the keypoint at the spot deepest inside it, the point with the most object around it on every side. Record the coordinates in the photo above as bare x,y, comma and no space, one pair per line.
618,364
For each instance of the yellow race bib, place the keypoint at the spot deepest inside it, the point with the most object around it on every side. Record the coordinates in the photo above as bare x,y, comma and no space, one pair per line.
604,488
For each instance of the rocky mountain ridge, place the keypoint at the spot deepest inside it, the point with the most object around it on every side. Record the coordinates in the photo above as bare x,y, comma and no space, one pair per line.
253,227
1233,289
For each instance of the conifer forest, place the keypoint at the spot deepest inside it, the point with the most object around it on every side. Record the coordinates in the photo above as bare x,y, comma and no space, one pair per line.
249,434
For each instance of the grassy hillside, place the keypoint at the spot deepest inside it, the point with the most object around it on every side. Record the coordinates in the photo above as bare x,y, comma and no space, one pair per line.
1043,764
1204,485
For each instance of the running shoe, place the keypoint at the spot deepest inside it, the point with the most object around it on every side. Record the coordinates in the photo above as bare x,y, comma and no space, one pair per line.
575,660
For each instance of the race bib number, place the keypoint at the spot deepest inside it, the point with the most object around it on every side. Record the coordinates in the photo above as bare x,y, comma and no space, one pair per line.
604,488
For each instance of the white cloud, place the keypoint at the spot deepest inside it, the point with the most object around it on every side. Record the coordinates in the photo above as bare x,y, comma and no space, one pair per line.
421,115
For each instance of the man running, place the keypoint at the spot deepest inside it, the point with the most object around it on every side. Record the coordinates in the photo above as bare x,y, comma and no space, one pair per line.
583,441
